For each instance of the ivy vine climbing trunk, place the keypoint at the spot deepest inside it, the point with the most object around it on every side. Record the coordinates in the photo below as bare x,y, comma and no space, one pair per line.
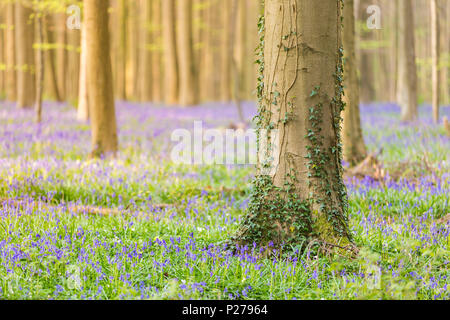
407,72
352,137
99,80
298,196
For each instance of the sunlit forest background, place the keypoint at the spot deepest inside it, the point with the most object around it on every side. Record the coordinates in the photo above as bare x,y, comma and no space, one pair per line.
92,205
148,50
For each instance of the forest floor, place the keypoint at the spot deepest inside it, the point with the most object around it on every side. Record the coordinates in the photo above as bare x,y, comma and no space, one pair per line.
141,227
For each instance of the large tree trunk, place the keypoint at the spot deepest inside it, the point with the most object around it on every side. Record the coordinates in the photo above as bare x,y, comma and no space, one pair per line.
301,197
83,102
10,54
99,80
186,62
353,141
145,74
25,56
170,53
435,58
407,74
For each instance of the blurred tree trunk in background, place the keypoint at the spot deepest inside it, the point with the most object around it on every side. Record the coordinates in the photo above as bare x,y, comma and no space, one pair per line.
255,9
366,79
435,58
50,76
353,141
61,53
445,51
2,50
39,65
395,44
422,36
211,80
407,80
10,53
156,50
170,53
73,69
146,58
188,94
241,48
225,94
290,205
83,100
121,69
99,80
25,55
446,87
133,49
200,37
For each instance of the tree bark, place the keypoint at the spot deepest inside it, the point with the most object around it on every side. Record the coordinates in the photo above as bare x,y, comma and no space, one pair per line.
353,141
170,53
10,54
299,196
435,73
407,74
25,56
99,80
186,62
